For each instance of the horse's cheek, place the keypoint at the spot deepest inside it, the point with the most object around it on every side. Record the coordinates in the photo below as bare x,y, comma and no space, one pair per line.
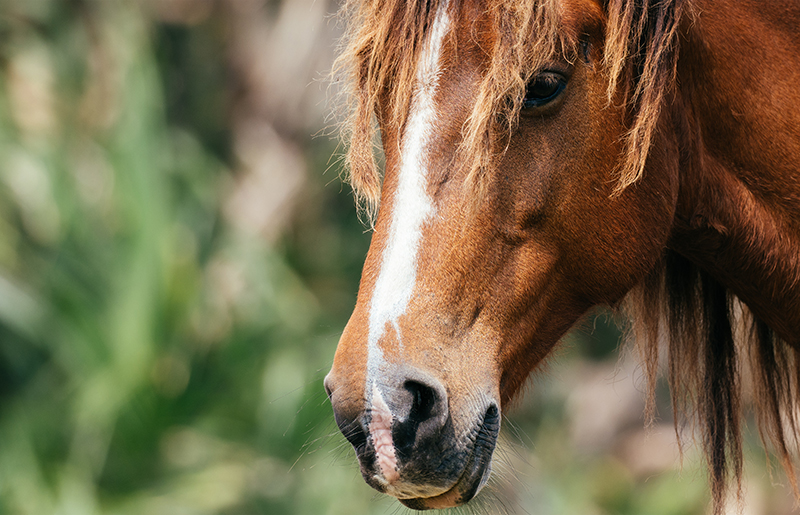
634,229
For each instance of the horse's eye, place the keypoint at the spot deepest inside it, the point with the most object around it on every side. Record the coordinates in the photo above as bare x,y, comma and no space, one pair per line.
543,89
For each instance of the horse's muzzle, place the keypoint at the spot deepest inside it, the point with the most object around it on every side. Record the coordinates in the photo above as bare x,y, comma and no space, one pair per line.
476,470
406,442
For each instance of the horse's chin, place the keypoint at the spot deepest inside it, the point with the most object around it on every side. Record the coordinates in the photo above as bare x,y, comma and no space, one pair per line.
476,472
464,490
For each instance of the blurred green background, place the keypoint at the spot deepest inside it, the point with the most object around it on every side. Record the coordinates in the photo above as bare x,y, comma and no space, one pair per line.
178,258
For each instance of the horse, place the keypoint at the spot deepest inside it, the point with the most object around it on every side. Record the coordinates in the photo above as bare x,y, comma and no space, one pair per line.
543,157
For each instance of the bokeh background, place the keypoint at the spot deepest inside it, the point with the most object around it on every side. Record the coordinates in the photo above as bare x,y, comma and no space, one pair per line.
178,258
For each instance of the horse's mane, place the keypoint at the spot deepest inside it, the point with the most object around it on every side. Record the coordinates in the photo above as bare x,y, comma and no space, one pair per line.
713,342
380,57
678,303
385,38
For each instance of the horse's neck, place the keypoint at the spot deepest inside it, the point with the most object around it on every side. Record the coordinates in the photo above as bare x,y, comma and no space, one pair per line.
739,131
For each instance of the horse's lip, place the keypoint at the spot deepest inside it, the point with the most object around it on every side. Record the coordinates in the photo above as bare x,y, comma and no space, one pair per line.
476,472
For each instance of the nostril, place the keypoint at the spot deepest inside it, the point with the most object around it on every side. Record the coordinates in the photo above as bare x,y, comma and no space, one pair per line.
424,415
423,400
327,383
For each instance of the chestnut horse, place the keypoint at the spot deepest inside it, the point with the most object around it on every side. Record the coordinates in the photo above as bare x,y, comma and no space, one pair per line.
546,156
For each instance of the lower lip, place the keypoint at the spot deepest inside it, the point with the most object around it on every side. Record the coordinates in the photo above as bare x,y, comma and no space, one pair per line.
476,473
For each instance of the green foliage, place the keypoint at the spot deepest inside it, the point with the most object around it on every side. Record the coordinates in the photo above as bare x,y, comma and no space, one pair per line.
153,358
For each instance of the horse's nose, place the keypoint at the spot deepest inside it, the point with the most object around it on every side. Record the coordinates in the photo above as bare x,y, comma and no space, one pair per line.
398,417
348,411
420,411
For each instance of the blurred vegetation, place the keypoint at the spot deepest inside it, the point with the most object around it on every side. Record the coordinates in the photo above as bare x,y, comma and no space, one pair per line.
176,266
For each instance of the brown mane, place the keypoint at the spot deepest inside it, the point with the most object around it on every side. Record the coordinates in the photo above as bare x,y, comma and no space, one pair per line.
386,36
684,306
381,54
678,303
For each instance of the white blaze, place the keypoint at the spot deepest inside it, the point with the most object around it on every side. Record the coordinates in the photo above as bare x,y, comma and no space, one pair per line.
412,205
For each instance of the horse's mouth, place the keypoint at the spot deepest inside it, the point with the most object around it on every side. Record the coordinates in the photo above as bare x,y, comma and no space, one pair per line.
476,472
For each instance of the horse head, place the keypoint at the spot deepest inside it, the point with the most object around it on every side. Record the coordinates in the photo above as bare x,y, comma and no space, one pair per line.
527,178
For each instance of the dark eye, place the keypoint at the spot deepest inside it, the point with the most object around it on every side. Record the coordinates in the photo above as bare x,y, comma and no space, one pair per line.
543,89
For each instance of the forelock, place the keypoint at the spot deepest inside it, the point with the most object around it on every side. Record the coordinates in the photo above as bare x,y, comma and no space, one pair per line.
385,37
